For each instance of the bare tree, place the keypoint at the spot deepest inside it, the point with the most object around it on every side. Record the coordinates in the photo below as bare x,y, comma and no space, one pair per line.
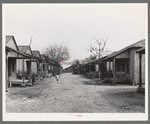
98,49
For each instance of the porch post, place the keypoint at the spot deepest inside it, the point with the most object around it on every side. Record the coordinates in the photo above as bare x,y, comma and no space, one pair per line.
30,68
6,71
140,77
23,70
102,70
41,67
114,66
45,69
109,68
37,68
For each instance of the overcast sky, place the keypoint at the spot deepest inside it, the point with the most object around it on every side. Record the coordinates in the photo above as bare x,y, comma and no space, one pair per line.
75,25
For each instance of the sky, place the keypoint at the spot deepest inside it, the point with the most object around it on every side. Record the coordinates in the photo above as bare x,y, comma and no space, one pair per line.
75,25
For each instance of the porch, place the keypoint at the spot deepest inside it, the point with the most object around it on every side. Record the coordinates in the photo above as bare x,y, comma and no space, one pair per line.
11,68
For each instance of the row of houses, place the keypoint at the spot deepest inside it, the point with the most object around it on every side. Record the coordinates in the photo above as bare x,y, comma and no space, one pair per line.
124,66
24,64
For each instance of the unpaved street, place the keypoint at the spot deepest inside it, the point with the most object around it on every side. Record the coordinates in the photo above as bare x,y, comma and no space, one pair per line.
73,94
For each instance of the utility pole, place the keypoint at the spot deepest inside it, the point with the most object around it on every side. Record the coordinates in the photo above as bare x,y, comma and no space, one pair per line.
31,40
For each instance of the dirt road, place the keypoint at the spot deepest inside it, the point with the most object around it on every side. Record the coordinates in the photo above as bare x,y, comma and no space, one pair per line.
73,94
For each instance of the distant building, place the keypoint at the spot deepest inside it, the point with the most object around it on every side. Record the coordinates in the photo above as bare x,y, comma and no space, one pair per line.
68,69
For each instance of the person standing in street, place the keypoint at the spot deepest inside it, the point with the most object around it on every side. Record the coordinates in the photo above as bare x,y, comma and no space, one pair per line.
57,77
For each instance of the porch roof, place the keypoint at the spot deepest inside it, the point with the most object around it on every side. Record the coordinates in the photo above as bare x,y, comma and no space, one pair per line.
94,61
36,53
24,55
141,50
24,49
139,44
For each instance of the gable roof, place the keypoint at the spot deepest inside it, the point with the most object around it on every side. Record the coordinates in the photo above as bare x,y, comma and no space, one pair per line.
70,66
20,53
8,40
35,53
24,49
139,44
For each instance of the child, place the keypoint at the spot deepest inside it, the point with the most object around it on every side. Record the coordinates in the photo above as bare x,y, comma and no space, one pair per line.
57,77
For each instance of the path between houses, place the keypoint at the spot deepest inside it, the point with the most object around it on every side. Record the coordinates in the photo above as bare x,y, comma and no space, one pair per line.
73,95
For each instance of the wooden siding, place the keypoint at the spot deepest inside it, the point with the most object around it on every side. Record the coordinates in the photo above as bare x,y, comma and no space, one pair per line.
34,68
125,54
20,64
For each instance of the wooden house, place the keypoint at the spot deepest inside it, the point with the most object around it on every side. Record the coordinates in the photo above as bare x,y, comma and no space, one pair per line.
124,64
12,55
68,69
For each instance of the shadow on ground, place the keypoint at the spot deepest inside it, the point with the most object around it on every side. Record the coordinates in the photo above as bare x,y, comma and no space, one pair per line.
92,82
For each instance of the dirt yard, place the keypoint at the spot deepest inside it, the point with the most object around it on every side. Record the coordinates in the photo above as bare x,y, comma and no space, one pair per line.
73,94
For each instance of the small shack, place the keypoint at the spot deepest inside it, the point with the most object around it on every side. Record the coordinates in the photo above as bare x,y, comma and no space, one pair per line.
124,64
12,55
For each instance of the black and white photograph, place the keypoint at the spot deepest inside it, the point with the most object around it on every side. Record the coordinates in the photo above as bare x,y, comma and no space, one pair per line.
75,62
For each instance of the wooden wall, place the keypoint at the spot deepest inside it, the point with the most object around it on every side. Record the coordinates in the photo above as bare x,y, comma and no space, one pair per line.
34,68
125,54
